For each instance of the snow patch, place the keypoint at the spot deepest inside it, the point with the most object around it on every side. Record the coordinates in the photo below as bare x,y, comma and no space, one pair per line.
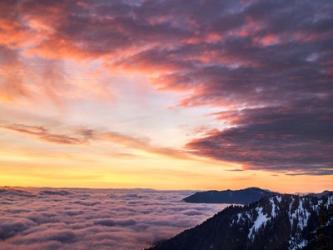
239,216
274,207
293,245
289,211
301,215
258,223
329,201
279,198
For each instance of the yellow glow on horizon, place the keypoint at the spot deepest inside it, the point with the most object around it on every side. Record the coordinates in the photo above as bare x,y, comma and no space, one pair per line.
157,172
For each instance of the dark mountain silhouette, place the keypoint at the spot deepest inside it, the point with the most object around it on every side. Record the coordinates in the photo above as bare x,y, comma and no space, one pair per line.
280,222
242,196
326,192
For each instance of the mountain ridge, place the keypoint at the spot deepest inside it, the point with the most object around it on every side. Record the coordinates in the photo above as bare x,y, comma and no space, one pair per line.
241,196
280,222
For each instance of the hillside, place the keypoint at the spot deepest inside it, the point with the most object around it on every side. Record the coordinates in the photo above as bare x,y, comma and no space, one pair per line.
279,222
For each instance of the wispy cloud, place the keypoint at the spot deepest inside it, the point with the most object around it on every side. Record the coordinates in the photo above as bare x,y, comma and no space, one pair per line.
43,134
77,136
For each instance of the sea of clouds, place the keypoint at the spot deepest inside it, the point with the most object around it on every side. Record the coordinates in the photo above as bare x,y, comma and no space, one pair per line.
94,219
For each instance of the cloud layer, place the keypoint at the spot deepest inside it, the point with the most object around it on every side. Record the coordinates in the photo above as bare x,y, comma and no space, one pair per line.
266,64
94,219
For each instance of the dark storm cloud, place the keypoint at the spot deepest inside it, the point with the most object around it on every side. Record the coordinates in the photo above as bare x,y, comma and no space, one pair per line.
271,59
283,139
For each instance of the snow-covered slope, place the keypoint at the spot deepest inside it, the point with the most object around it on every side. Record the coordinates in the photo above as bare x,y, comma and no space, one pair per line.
279,222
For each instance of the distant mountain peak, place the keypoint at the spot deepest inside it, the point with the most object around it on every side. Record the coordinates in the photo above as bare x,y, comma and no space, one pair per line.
242,196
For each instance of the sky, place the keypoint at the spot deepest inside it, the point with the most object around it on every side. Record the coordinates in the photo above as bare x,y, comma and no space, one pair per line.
167,94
